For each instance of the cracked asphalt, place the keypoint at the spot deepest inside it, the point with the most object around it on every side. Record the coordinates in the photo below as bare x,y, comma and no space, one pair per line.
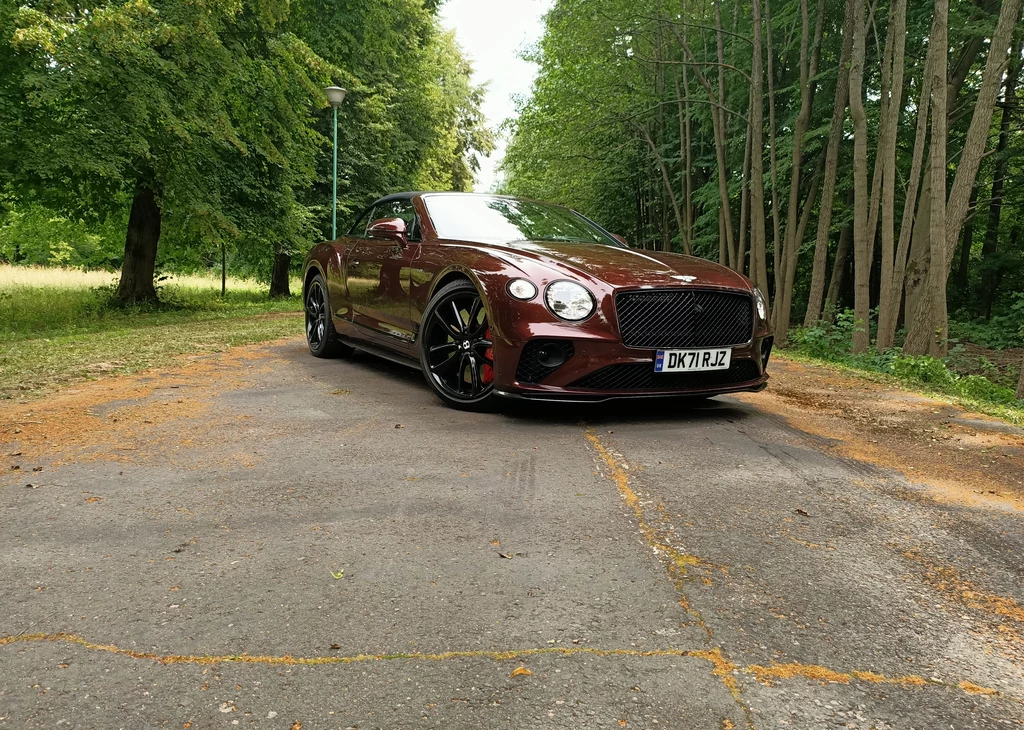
263,539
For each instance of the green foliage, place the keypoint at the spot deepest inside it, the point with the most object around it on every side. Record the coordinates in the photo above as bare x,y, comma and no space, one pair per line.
831,342
218,107
35,235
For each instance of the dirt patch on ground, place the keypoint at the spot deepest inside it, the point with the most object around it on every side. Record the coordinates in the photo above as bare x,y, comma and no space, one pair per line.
153,415
964,457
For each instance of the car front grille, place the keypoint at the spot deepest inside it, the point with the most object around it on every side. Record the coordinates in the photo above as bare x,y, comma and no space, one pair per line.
641,376
684,318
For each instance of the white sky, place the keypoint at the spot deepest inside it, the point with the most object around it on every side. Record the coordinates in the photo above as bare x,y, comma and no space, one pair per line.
492,32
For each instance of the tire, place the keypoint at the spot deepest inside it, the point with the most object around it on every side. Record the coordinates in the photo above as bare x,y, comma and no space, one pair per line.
321,336
456,351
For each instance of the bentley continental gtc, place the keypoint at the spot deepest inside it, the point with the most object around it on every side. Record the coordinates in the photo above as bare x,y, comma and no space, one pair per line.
501,297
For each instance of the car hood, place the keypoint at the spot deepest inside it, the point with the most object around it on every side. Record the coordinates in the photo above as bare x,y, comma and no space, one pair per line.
626,267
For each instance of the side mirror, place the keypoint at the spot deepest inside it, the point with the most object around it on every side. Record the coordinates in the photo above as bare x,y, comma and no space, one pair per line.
620,239
390,229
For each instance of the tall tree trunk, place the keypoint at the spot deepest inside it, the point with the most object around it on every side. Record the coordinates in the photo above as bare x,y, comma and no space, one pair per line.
831,167
861,242
995,206
772,150
889,310
928,330
793,237
896,42
280,275
936,345
741,245
136,284
758,257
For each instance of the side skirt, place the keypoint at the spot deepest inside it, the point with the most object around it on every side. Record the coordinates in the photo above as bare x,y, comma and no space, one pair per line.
382,352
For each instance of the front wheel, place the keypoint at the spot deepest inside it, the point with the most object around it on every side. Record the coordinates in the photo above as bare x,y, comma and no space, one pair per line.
320,333
456,350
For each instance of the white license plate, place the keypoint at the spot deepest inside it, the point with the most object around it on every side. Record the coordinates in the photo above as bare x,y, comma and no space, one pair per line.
692,361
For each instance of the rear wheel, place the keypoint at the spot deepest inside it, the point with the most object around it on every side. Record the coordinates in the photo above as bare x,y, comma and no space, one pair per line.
320,333
456,350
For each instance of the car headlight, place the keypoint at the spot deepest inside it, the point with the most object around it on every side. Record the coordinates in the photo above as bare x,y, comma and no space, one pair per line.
522,289
762,305
568,300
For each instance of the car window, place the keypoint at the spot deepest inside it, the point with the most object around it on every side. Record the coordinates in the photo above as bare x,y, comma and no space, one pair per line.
358,229
507,220
400,209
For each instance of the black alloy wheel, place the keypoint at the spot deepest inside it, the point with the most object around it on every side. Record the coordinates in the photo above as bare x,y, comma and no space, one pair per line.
456,350
320,333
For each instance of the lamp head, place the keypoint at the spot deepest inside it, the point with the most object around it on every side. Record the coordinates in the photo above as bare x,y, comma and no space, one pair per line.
335,95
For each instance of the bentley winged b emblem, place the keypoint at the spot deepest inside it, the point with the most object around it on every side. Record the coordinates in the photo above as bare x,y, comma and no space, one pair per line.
686,277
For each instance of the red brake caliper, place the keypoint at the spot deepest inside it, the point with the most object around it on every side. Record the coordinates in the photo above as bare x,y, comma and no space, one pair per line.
487,374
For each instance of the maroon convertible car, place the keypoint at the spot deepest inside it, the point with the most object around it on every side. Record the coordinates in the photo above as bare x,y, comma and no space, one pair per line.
495,296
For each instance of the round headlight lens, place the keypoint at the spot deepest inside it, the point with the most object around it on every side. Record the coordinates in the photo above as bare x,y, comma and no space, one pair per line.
569,300
762,305
522,289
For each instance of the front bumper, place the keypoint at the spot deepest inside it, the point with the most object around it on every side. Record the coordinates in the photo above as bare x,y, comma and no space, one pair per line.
601,369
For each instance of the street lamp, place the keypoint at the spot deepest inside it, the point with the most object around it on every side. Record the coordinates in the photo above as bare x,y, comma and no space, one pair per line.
335,95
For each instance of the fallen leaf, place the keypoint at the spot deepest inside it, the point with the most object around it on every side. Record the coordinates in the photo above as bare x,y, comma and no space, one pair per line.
496,543
801,512
335,647
520,672
93,500
507,556
398,425
296,725
622,723
37,468
338,576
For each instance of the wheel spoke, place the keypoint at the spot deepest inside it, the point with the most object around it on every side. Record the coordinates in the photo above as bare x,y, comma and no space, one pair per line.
474,375
474,312
458,318
442,348
452,332
445,365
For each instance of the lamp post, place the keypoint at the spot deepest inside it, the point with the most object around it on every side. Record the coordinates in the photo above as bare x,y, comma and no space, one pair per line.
335,95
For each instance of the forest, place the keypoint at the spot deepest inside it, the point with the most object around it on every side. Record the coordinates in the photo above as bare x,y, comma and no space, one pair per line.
180,135
862,161
859,160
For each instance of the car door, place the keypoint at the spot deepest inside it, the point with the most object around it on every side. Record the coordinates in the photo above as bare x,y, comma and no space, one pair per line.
377,274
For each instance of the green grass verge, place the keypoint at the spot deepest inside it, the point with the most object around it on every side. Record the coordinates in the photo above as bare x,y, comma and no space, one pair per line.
53,336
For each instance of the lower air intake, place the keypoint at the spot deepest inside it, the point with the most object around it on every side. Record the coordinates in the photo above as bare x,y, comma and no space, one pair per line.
641,376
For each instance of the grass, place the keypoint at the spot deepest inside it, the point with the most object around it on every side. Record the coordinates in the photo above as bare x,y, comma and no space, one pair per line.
59,325
830,345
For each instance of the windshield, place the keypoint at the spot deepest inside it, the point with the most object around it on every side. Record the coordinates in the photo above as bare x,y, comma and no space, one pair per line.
504,220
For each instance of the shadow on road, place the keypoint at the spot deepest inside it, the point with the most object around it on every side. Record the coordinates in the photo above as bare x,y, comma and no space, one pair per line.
608,413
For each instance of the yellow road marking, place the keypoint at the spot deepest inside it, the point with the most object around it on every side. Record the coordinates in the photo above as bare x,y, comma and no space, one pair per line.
722,667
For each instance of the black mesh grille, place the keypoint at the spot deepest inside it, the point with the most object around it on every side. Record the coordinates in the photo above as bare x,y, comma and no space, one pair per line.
679,318
531,371
641,376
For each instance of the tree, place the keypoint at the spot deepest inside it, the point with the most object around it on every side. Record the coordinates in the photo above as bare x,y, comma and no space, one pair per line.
166,102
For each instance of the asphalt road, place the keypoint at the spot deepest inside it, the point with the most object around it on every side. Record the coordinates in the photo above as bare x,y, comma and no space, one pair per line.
269,540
